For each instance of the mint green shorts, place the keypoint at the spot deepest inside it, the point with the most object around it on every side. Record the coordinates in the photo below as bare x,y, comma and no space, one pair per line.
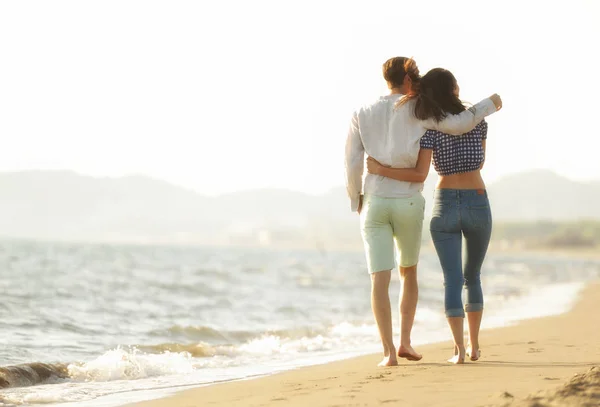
389,222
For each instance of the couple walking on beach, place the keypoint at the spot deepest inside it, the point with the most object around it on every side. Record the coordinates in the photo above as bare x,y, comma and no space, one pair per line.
422,118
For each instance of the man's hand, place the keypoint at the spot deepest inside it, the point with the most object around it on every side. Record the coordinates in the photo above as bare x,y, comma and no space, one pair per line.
360,203
497,101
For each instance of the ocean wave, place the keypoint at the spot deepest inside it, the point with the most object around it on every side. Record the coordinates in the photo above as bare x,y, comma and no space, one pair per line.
133,364
30,374
305,340
117,364
226,337
233,343
148,360
204,333
196,350
152,360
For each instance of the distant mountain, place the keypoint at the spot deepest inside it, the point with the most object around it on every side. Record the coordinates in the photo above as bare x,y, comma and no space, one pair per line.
61,204
544,195
67,206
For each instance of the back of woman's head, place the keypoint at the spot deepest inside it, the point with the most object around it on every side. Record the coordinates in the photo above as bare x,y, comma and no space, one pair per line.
436,95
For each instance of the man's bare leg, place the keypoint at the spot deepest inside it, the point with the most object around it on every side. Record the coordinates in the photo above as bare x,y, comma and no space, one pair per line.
409,295
380,303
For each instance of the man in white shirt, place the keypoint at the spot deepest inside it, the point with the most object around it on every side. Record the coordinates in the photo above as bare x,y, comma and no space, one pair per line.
390,210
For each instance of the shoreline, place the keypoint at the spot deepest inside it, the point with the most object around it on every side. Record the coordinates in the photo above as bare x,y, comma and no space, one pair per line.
533,355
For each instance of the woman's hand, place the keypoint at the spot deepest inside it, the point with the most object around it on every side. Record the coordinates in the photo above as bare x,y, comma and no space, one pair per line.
497,101
411,174
374,166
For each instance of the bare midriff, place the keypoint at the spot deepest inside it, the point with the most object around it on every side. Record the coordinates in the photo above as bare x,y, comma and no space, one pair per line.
465,180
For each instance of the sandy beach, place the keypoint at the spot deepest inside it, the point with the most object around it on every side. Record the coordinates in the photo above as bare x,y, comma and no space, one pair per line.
546,361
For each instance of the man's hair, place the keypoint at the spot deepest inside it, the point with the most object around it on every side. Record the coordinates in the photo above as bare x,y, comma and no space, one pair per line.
395,69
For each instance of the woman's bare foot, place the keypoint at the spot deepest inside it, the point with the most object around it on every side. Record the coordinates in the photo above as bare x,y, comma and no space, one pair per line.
388,361
474,355
408,353
389,357
459,356
457,360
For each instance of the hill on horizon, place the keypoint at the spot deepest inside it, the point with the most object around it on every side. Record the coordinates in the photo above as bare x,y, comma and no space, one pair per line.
64,205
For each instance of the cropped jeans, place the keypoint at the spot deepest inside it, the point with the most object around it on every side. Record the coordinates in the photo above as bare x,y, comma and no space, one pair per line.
458,213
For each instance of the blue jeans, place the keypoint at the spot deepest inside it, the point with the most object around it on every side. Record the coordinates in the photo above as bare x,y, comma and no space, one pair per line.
458,213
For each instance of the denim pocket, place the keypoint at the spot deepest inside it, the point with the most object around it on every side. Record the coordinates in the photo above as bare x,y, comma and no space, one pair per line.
437,224
480,216
442,216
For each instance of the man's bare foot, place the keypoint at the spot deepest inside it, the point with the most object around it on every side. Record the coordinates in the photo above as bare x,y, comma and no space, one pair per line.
408,353
474,355
388,361
459,356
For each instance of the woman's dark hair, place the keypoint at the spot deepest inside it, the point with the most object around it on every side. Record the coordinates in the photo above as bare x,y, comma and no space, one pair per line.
434,95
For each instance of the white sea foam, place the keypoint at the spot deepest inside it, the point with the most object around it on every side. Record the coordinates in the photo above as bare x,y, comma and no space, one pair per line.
120,364
538,302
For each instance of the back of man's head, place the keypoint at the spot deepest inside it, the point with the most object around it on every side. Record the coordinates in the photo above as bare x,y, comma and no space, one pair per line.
395,70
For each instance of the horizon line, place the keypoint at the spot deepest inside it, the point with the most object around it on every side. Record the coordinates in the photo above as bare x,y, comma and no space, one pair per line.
265,188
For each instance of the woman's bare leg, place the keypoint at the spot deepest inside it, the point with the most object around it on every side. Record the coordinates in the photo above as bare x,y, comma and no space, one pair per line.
474,320
456,326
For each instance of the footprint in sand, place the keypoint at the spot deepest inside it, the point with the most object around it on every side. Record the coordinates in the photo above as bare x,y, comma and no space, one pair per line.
379,376
505,396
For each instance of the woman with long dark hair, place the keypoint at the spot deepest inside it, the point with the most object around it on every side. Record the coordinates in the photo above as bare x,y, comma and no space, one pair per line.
461,206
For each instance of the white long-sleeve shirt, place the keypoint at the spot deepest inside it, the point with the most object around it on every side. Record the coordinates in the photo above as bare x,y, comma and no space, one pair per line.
391,136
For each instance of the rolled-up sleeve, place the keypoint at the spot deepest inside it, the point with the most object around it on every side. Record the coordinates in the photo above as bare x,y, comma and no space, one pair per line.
354,163
457,124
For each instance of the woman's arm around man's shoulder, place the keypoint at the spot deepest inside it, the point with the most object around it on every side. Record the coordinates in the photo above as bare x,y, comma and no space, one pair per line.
458,124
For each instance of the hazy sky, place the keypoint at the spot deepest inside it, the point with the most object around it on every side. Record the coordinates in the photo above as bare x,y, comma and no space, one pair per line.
226,95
